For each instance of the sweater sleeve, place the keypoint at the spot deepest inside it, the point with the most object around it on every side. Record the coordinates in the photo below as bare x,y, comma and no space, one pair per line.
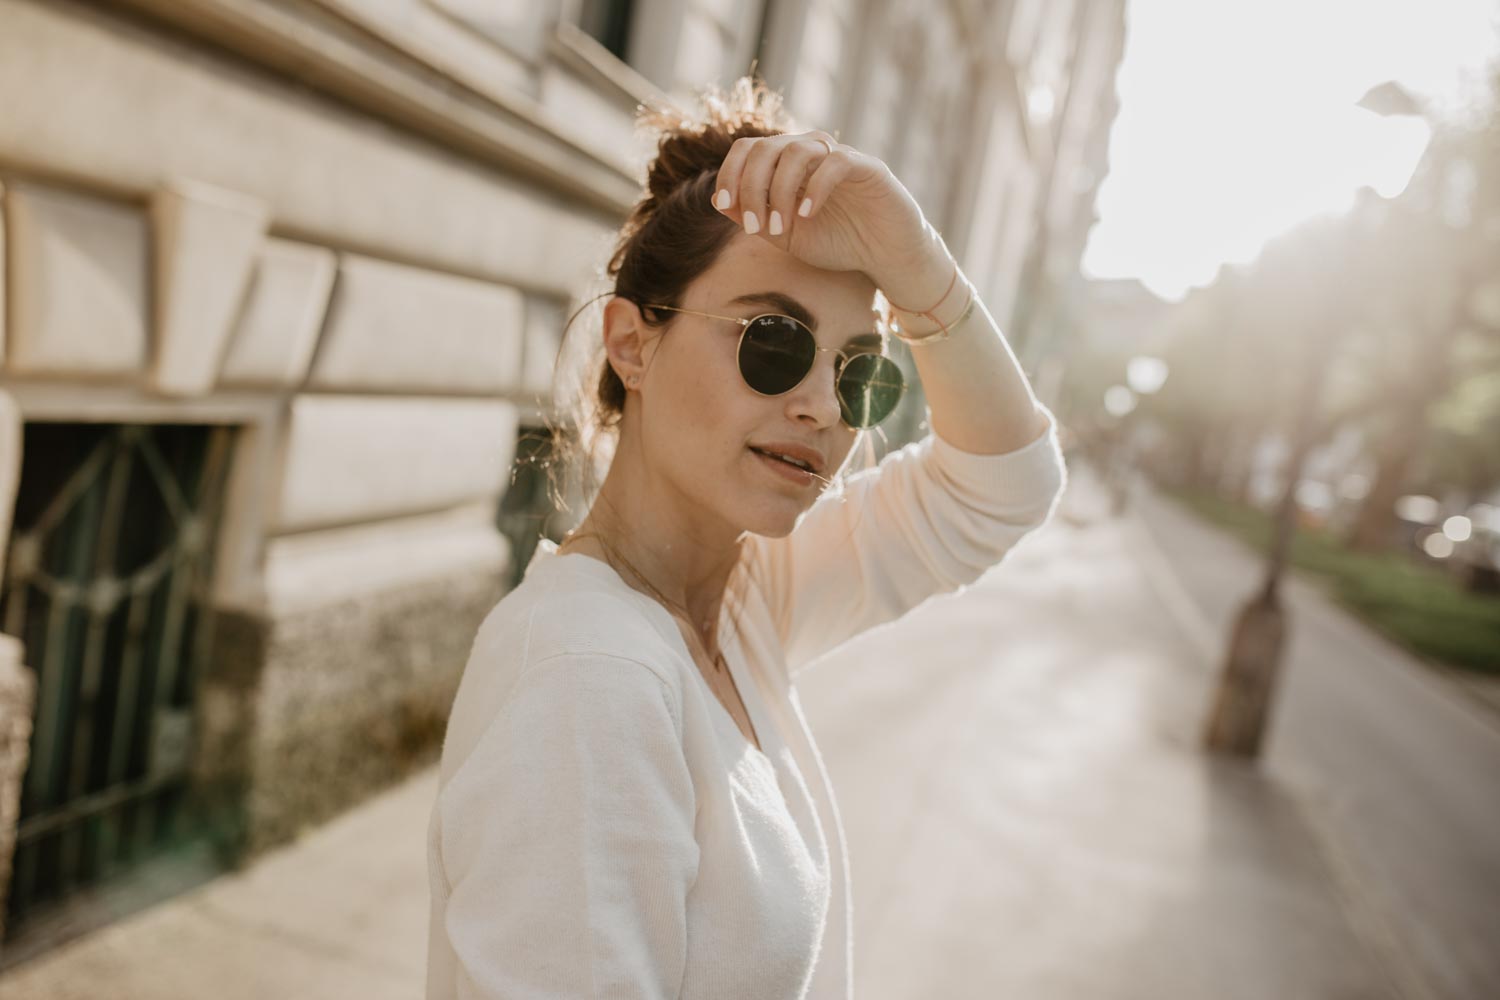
929,519
568,838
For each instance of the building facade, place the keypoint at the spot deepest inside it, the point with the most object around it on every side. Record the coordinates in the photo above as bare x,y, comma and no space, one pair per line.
283,289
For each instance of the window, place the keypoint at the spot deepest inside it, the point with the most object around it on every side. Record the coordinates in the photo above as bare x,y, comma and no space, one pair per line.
608,21
107,583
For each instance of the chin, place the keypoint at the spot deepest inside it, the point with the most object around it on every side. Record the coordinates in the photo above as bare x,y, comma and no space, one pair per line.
780,520
777,510
773,531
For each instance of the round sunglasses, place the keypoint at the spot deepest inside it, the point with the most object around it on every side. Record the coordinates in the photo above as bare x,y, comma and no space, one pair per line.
777,352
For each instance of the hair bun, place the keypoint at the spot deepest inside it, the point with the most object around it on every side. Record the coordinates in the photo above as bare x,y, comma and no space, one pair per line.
689,146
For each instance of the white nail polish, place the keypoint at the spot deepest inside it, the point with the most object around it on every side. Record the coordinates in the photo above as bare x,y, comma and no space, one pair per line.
752,224
805,207
775,229
721,200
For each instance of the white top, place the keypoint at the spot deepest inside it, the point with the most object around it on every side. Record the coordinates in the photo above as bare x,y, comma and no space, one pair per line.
604,829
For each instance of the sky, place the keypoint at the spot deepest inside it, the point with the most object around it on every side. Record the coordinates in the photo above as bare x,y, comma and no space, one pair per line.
1237,120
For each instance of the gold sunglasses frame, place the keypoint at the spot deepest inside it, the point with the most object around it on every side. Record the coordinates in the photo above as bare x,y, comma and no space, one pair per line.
739,346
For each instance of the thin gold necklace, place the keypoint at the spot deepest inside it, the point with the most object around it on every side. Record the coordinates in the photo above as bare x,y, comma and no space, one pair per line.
717,659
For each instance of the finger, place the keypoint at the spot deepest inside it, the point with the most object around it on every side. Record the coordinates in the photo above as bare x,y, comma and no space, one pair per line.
755,183
727,184
828,146
797,162
833,168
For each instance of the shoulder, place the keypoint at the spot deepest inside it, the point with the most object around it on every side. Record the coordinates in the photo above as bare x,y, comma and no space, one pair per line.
586,620
557,646
562,617
607,697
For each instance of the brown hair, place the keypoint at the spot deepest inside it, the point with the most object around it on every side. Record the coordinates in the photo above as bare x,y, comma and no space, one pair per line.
671,237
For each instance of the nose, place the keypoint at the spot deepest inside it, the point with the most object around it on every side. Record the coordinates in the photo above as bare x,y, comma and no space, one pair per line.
816,397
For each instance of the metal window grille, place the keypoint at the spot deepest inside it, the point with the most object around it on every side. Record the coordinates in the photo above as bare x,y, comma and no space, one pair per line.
108,565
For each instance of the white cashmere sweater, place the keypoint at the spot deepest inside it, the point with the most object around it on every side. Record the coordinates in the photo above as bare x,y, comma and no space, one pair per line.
604,830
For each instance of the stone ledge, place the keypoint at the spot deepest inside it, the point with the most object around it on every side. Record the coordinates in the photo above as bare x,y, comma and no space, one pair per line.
341,59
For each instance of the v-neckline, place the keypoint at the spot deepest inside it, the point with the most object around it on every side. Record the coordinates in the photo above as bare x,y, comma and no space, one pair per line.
756,725
751,702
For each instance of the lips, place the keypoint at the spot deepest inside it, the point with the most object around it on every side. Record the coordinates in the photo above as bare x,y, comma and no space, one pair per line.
809,457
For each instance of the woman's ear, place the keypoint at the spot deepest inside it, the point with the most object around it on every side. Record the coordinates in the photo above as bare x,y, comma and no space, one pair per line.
625,339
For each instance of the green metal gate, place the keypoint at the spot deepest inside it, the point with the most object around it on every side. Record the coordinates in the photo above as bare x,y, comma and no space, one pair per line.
109,562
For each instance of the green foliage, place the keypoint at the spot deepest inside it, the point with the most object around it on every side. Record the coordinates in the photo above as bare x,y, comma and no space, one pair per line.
1418,607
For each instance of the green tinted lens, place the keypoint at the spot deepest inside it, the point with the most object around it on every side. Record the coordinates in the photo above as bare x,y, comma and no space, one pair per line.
776,353
870,386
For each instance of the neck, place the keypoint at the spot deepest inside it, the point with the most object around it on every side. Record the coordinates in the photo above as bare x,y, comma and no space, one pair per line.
670,550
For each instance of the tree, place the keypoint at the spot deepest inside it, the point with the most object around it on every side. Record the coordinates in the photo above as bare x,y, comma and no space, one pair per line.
1430,318
1310,308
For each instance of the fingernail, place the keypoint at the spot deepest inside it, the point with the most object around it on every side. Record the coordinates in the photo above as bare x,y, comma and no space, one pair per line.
752,224
805,207
721,200
775,223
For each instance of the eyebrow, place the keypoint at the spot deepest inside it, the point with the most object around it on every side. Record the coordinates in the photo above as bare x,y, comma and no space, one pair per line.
785,303
782,301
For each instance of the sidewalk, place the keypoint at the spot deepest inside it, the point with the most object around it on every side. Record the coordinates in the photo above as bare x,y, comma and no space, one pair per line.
341,913
1027,812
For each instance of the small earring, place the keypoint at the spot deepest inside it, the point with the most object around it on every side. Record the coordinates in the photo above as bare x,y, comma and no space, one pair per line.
634,379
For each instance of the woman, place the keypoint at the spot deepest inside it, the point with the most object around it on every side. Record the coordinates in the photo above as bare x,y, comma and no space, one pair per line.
631,803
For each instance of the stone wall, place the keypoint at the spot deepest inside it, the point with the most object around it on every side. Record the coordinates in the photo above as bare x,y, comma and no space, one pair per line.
185,241
305,715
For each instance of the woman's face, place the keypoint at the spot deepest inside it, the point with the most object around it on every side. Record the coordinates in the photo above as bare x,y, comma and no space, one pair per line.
698,419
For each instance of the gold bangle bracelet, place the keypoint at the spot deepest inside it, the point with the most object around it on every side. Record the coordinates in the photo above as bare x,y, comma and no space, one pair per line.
943,331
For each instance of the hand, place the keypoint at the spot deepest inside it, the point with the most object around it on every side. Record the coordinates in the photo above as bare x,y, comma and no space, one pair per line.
860,218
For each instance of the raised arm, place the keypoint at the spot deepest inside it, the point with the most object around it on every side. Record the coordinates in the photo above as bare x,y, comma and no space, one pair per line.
854,214
939,512
567,838
930,519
